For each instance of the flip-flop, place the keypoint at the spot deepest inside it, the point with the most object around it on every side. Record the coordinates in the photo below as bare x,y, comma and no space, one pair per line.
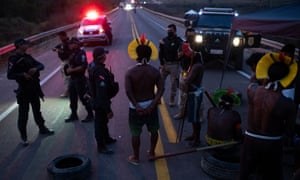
131,159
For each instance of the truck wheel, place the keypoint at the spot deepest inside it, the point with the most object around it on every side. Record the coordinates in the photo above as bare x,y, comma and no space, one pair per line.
72,166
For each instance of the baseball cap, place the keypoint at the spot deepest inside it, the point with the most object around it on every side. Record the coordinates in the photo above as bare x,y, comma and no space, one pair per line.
20,41
99,52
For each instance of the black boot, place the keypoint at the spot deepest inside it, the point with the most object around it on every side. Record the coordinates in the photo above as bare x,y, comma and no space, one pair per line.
72,117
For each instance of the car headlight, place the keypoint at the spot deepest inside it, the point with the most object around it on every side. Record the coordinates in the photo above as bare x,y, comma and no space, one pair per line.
198,38
101,31
236,42
80,31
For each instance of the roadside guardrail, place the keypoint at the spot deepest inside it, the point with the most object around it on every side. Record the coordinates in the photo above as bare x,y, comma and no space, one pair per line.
11,47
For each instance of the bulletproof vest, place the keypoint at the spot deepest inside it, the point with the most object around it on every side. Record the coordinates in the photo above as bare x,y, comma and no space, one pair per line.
171,46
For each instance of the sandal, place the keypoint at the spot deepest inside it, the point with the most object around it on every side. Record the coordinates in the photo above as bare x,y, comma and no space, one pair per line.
150,156
132,160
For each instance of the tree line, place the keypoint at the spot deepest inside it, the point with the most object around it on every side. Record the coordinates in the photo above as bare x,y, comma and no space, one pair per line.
27,17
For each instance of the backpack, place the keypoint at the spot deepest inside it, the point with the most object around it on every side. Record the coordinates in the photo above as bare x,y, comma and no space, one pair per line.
112,85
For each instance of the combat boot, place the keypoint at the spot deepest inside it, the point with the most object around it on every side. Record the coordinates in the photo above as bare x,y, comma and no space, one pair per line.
72,117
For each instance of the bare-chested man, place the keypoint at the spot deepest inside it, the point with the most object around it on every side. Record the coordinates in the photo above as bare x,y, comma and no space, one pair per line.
223,126
140,83
270,116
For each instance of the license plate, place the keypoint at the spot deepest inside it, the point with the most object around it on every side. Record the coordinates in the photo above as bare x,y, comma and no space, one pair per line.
216,51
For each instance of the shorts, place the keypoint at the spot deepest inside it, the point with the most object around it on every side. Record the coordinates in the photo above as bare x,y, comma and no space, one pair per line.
194,110
136,122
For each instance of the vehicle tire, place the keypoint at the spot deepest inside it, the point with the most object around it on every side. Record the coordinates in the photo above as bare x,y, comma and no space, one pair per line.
219,169
72,166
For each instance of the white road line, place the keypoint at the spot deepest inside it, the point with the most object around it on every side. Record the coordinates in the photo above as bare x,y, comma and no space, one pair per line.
244,74
15,105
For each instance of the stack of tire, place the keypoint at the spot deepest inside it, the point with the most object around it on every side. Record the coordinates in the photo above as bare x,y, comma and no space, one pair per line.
219,169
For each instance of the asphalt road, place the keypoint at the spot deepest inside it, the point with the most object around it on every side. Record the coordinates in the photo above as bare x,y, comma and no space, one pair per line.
28,163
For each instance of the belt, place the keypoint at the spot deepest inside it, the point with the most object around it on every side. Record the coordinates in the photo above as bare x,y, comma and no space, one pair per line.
262,136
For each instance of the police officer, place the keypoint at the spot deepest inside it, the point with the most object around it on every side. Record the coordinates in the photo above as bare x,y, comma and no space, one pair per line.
98,81
78,81
23,68
63,53
168,56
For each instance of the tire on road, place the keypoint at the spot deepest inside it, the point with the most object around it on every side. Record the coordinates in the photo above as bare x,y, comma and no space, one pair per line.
71,166
219,169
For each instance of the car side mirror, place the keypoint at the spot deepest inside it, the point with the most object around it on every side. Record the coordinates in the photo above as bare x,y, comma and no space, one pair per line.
252,40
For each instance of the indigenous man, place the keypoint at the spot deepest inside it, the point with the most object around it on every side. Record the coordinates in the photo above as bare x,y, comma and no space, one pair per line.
270,116
224,124
140,83
193,87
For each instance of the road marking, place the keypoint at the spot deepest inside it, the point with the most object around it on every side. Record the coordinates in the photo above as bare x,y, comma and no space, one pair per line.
168,125
12,107
244,74
161,165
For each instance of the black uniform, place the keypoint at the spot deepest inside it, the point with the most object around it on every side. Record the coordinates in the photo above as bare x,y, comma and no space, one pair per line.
78,85
99,78
63,50
29,90
168,50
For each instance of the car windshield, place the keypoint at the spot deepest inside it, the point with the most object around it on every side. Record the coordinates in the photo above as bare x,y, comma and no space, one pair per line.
86,22
215,20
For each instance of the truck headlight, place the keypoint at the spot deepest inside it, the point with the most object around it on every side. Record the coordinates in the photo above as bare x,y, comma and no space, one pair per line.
236,41
198,38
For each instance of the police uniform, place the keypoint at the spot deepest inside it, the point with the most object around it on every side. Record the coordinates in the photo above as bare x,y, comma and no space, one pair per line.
29,90
78,85
98,81
168,56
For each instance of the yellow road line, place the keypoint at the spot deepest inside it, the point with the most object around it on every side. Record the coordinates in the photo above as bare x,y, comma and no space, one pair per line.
161,166
168,125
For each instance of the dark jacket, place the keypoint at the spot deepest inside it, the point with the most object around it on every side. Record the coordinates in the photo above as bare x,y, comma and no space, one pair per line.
98,84
63,51
168,49
18,64
78,58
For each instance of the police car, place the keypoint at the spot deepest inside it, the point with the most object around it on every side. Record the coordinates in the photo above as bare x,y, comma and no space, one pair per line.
95,28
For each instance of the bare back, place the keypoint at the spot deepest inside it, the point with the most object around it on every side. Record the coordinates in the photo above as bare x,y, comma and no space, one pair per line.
140,82
221,124
269,112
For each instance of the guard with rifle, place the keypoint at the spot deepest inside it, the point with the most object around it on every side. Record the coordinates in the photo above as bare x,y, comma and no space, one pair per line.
23,68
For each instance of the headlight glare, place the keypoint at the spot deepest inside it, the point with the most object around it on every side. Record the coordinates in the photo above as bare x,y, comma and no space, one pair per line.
198,38
236,41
